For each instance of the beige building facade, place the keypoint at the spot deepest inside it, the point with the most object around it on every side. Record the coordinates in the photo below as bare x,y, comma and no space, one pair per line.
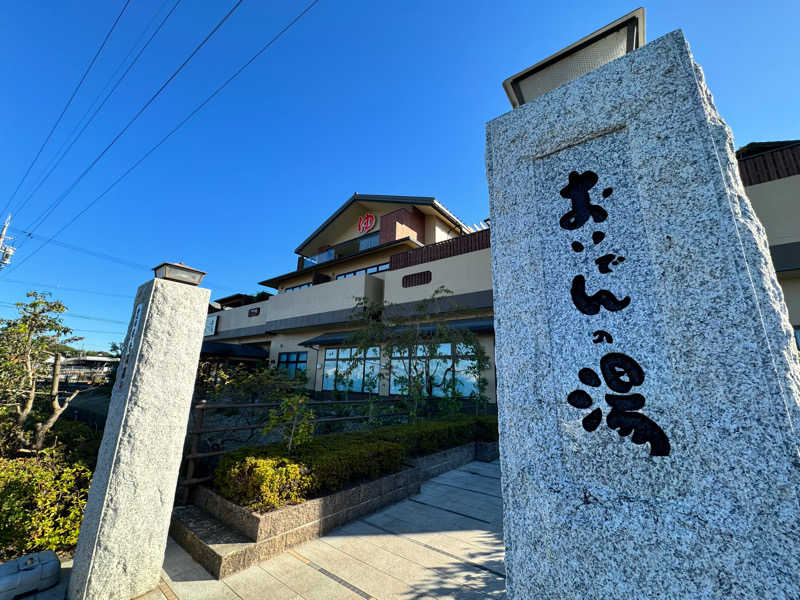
771,174
387,249
400,249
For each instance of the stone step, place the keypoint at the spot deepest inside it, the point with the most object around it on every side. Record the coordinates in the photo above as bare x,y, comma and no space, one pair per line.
223,550
216,546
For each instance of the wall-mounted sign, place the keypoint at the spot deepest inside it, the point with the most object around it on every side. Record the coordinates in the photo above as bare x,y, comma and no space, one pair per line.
366,222
211,325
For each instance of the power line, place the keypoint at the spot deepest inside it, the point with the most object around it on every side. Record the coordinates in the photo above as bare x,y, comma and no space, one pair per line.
59,288
95,253
61,154
66,106
96,331
102,256
73,315
166,137
49,210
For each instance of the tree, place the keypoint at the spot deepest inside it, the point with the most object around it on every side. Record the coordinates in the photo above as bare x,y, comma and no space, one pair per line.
426,355
26,344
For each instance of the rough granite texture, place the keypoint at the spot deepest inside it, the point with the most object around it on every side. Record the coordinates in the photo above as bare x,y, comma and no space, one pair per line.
591,514
124,529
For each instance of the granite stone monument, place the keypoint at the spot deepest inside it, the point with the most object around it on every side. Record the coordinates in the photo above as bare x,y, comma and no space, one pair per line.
124,530
648,378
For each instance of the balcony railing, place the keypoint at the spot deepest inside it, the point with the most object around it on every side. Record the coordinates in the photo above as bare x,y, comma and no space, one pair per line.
480,240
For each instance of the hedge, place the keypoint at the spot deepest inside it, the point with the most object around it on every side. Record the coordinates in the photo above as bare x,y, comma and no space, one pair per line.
263,478
41,504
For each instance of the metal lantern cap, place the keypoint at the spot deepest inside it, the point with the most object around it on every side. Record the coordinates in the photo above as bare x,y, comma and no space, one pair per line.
613,41
178,272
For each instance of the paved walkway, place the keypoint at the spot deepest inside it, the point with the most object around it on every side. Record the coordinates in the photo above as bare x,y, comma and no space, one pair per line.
445,542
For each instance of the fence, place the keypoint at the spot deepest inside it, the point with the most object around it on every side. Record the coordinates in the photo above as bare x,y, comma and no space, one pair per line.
480,240
194,455
196,458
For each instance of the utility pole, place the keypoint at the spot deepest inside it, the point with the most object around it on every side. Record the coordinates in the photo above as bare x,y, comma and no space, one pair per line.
6,250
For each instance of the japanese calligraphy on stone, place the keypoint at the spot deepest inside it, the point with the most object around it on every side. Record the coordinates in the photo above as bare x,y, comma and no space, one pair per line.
620,373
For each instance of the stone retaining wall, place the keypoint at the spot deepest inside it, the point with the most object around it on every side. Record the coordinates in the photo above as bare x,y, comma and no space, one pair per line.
354,501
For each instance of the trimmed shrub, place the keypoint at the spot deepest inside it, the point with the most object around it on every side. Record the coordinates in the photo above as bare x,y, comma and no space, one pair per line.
428,437
264,483
486,429
41,504
263,478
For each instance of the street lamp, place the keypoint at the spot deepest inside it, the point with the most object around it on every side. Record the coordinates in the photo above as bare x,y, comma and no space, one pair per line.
601,47
178,272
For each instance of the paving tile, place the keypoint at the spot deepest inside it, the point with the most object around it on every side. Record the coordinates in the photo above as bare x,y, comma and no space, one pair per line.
364,576
307,582
441,577
256,584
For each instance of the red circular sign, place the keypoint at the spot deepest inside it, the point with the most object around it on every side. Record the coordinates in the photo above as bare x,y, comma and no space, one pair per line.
366,223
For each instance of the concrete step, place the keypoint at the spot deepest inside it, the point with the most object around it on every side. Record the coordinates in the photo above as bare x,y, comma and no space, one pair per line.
216,546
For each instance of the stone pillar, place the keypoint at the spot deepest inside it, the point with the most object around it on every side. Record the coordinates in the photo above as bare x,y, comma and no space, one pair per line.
647,371
124,529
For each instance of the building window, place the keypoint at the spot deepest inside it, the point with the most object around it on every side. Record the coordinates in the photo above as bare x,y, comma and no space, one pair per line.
440,369
370,270
254,312
367,242
293,362
348,368
297,287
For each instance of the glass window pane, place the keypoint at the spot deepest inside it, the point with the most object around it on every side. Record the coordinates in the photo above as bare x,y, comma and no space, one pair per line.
369,241
301,366
384,267
465,350
328,375
422,350
444,349
291,367
398,351
371,379
441,376
330,353
398,374
292,357
302,356
372,270
344,352
466,383
374,352
356,376
356,352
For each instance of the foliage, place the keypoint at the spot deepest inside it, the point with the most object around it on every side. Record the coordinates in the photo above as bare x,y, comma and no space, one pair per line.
25,345
427,437
417,337
41,504
486,429
246,384
294,419
263,478
263,483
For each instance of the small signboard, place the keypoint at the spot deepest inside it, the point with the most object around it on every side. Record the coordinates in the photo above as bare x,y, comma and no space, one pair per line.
211,325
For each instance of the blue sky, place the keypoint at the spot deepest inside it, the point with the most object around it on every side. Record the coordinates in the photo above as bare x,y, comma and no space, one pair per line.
373,97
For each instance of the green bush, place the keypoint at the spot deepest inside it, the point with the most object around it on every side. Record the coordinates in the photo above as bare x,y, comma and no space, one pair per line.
486,429
264,483
427,437
263,478
41,504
